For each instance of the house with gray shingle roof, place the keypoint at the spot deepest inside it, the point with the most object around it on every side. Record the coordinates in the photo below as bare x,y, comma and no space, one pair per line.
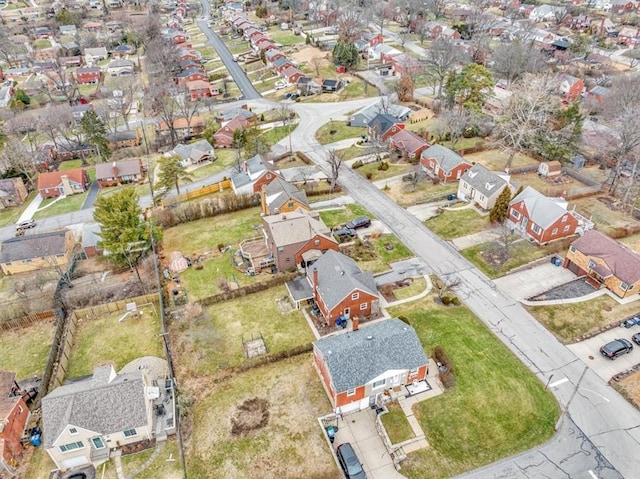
364,116
194,153
481,186
254,173
280,196
443,163
383,126
357,366
341,288
33,252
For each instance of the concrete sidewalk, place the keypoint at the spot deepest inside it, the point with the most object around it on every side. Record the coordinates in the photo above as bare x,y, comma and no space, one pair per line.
30,210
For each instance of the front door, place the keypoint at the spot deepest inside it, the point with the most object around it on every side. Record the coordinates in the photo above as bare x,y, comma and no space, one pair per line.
346,313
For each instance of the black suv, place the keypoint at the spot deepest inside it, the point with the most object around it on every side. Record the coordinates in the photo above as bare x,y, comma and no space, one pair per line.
616,348
349,462
344,234
360,222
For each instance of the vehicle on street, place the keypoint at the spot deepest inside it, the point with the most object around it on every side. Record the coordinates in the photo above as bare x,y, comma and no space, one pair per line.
26,224
360,222
294,97
344,234
616,348
286,96
349,462
636,338
279,85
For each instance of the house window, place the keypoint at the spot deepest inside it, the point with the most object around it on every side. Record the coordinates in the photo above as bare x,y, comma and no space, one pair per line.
355,296
378,384
571,248
554,231
536,229
268,176
625,286
363,306
97,443
130,433
515,213
413,372
316,242
280,249
290,204
71,446
591,264
564,218
288,260
566,229
351,392
481,197
73,431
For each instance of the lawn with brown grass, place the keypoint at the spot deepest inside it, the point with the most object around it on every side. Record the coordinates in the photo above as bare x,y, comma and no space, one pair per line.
607,219
25,351
334,131
374,171
570,321
629,387
496,160
406,194
454,224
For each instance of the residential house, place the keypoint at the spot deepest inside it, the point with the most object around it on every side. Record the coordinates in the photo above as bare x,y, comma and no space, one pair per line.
443,163
255,173
571,87
69,30
193,153
382,52
623,6
330,85
6,92
604,26
35,252
88,75
629,36
599,93
94,55
295,238
280,196
341,289
404,65
85,420
547,13
63,183
14,415
364,116
190,75
383,126
188,54
273,54
606,263
12,192
176,37
408,144
549,168
182,127
120,68
291,75
243,111
122,51
224,136
119,172
70,62
309,86
359,366
543,219
93,27
433,30
90,239
481,186
199,89
280,64
124,139
265,45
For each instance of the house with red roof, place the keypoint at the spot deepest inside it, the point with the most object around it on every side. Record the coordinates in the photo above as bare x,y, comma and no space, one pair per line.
291,75
605,263
224,136
63,183
408,144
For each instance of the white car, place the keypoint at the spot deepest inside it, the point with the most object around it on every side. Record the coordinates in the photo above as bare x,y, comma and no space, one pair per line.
280,85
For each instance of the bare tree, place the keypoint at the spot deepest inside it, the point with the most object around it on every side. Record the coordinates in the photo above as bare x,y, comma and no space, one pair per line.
335,163
511,61
506,237
186,107
120,97
350,25
14,156
316,62
162,103
10,50
24,125
286,115
445,285
453,123
436,7
441,59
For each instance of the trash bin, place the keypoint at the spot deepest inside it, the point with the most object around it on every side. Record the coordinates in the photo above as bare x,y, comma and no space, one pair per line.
556,261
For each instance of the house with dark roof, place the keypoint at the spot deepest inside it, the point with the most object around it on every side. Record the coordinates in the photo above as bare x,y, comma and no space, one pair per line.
544,219
296,238
383,126
123,139
358,366
604,262
84,420
193,153
12,192
254,173
341,289
63,183
408,144
14,415
443,163
86,75
36,251
280,196
119,172
481,186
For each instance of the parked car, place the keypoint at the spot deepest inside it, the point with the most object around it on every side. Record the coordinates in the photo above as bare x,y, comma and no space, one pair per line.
360,222
627,323
616,348
344,234
636,338
23,225
286,96
349,462
294,97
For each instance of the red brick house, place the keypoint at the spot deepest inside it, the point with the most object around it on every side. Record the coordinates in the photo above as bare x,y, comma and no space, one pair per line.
119,172
372,39
224,136
13,192
14,415
293,237
408,144
341,288
256,172
201,89
629,36
358,367
383,126
571,87
272,55
291,75
442,163
264,45
543,219
186,54
404,64
63,183
88,75
192,74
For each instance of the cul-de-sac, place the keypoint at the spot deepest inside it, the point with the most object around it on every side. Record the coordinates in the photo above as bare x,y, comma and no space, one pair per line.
286,239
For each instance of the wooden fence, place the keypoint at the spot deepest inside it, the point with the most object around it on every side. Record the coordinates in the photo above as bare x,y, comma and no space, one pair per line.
30,319
189,195
113,307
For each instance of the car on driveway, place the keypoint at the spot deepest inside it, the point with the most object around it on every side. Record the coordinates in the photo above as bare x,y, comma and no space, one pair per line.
627,323
360,222
636,338
616,348
349,462
344,234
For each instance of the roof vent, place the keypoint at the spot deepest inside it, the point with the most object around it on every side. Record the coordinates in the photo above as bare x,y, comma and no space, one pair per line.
369,337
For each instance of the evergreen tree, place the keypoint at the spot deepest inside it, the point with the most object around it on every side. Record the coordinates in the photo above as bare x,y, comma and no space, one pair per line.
500,210
345,54
95,133
172,173
470,87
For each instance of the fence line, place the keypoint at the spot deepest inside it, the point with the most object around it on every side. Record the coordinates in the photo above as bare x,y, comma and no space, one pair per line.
30,319
189,195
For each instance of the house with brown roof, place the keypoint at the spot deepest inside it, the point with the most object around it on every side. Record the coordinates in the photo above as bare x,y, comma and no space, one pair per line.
442,163
119,172
604,262
199,89
63,183
224,136
408,144
550,168
280,196
35,252
182,127
14,415
12,192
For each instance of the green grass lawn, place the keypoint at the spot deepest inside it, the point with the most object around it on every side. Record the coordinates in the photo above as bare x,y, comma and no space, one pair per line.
353,152
41,44
285,37
497,407
25,351
570,321
417,286
454,224
376,174
216,340
333,218
521,253
396,424
387,248
60,206
11,215
277,133
107,339
495,160
424,192
342,132
166,464
201,283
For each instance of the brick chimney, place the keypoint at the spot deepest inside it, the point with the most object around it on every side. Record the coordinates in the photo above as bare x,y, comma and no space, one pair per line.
114,168
315,277
355,323
245,165
263,200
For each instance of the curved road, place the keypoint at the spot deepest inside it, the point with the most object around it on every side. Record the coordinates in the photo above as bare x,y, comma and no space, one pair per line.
235,70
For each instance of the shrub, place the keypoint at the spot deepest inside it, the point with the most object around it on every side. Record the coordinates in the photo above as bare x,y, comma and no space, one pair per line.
446,300
441,357
455,301
383,166
220,247
404,320
369,175
357,164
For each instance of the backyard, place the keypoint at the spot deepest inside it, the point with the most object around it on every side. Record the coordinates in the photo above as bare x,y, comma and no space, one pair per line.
455,224
25,351
406,194
495,160
497,407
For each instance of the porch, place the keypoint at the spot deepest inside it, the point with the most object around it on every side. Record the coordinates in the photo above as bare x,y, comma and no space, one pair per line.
256,252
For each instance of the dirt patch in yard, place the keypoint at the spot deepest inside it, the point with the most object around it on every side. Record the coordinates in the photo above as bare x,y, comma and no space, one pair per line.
250,415
305,54
629,387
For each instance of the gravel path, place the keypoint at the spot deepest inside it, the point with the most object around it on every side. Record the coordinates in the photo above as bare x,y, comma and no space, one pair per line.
574,289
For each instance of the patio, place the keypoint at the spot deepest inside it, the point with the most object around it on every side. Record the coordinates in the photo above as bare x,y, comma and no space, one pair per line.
255,251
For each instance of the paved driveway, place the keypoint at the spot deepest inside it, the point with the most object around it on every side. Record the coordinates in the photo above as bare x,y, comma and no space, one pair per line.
589,351
530,282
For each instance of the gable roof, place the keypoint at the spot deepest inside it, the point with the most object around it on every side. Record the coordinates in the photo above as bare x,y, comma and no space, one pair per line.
621,261
295,227
33,246
105,403
8,185
194,151
543,211
369,112
446,158
338,276
122,168
382,122
482,180
357,357
409,140
279,191
53,179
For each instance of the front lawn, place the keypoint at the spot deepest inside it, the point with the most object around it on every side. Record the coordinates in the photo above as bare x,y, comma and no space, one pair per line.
489,256
405,194
341,131
396,424
58,206
107,339
25,351
497,407
336,217
372,170
454,224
